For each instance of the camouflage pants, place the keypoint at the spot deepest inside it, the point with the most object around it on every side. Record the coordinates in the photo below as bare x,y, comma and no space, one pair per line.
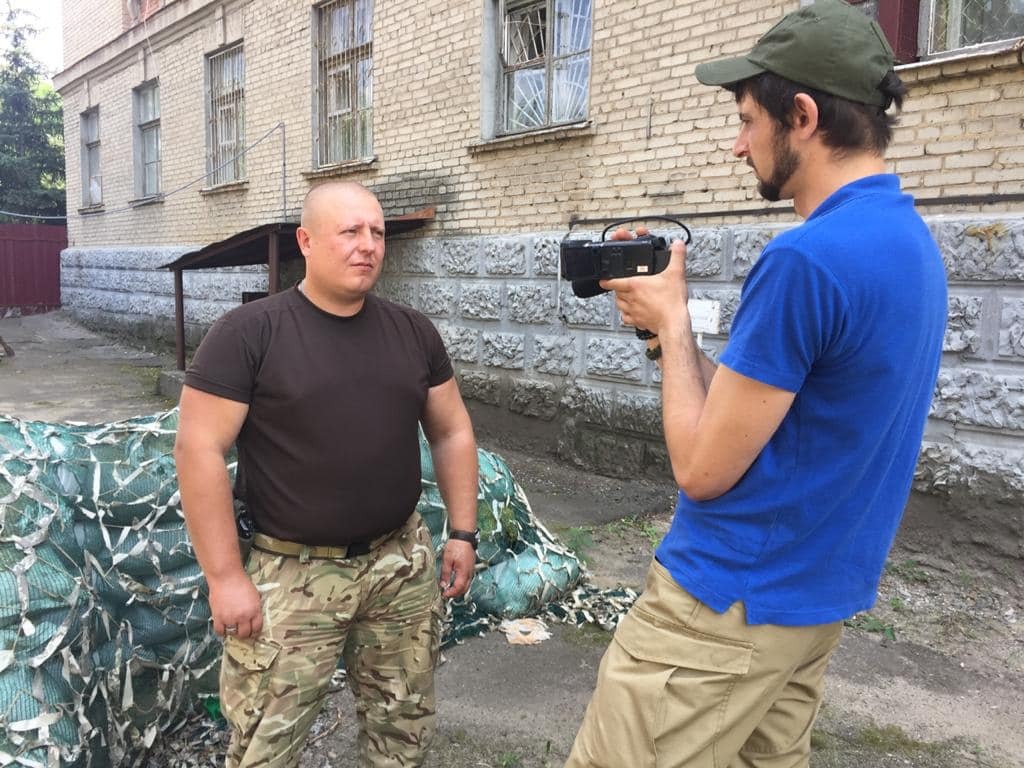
380,612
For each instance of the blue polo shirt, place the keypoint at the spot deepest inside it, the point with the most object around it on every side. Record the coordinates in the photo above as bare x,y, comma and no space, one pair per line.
848,311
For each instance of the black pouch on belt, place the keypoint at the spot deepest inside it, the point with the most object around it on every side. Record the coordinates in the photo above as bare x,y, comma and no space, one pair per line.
246,529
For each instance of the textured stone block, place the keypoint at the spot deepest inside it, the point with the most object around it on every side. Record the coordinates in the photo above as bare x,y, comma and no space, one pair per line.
962,323
504,350
618,358
590,404
461,342
1011,329
706,254
419,257
639,413
595,311
483,387
436,298
553,354
125,257
610,454
397,290
966,396
480,302
981,250
460,256
545,256
728,300
505,256
971,471
532,304
747,245
534,398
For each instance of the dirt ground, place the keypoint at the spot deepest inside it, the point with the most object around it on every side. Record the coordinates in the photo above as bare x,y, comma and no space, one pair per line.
932,677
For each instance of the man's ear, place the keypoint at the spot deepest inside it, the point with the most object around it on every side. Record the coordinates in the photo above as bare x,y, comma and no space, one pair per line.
302,238
805,116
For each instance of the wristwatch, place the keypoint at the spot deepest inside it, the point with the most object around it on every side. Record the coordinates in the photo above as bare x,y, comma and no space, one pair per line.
472,537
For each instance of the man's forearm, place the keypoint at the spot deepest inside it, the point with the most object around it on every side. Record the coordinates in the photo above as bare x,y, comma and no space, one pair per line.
686,375
209,514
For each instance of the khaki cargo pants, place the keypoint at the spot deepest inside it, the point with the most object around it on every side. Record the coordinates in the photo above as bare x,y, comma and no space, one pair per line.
381,612
682,686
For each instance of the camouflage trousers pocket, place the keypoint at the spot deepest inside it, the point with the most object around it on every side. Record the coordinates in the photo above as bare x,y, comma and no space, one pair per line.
245,676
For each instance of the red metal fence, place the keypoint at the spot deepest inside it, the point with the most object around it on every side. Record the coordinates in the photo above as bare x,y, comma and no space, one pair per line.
30,267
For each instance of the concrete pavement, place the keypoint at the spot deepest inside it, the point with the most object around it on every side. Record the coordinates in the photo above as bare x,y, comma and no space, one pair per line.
926,702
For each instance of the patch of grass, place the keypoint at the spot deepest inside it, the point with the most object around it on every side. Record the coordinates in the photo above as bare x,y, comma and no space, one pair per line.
894,740
868,623
839,741
898,604
636,524
578,540
510,760
910,570
589,636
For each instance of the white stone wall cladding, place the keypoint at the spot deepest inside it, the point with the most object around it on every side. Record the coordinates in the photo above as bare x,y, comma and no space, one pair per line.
125,290
578,366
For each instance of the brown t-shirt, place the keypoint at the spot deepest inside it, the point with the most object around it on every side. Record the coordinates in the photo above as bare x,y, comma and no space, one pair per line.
329,452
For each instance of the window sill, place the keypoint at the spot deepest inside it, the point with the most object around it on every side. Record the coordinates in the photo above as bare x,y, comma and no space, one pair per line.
91,210
340,169
551,133
229,186
142,202
960,62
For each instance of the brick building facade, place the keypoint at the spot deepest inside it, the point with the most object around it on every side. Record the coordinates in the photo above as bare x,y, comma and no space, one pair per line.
410,98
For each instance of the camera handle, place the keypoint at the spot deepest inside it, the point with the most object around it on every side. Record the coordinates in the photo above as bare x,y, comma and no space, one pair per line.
630,220
643,333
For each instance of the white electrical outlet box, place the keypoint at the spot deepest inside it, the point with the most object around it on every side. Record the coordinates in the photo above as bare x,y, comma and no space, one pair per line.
705,315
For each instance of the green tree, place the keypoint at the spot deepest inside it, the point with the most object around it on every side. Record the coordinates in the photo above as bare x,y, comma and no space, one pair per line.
31,129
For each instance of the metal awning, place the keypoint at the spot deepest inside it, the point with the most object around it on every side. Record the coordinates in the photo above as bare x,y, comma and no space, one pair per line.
268,244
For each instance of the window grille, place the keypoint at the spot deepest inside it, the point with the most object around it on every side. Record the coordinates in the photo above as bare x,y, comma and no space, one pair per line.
92,180
546,62
147,108
225,121
964,23
344,53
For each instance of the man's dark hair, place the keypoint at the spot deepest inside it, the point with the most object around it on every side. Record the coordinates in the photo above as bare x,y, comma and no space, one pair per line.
845,125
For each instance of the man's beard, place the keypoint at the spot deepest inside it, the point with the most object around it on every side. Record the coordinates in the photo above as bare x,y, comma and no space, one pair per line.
784,164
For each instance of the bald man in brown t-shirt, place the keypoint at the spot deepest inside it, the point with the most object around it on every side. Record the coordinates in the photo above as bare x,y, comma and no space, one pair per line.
323,387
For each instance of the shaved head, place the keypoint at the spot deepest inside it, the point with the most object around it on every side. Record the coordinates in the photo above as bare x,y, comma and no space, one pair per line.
322,195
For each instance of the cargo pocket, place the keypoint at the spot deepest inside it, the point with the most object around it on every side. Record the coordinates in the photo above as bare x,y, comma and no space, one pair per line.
245,675
692,675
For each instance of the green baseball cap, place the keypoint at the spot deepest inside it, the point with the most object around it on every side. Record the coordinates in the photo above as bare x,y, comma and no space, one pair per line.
830,46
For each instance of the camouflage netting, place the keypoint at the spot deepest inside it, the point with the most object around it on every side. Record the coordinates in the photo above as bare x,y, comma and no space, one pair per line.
105,638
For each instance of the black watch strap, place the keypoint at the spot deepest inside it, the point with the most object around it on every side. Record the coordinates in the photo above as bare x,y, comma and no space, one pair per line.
472,537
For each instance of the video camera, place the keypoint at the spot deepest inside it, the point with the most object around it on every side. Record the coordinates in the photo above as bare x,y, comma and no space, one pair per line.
585,262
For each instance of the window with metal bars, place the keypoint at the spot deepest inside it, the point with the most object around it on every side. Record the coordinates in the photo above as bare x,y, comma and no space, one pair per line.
343,43
92,180
935,28
147,140
959,24
225,116
545,63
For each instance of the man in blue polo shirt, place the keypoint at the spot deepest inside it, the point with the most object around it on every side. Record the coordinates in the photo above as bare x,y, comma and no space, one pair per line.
794,456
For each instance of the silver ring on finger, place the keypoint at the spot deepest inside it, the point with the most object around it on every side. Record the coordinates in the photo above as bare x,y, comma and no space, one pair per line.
231,630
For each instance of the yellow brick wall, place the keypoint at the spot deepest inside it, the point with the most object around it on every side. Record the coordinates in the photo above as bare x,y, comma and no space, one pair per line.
657,141
89,24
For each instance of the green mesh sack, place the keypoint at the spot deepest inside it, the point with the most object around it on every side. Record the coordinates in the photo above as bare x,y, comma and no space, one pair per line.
103,607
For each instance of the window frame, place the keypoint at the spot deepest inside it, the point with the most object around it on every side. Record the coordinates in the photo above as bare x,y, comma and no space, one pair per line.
327,70
143,128
224,163
908,26
90,157
501,127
